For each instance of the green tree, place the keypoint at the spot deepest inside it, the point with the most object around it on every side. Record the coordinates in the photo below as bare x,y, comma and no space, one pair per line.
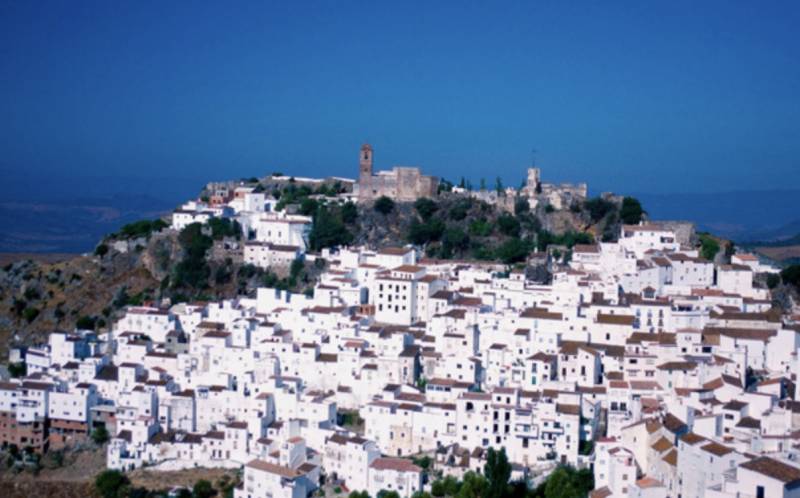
17,370
559,485
454,240
349,212
598,208
631,212
424,462
512,251
473,486
425,208
328,230
773,280
384,205
203,489
421,233
481,228
460,209
451,485
142,228
109,482
193,270
358,494
791,275
100,435
508,225
498,472
388,494
709,247
308,206
522,206
101,250
296,268
30,314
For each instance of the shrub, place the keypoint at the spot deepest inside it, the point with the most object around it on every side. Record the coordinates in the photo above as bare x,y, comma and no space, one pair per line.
460,209
31,294
598,208
203,489
224,227
86,322
384,205
109,482
512,251
101,250
423,232
142,228
709,247
425,207
30,314
481,228
508,225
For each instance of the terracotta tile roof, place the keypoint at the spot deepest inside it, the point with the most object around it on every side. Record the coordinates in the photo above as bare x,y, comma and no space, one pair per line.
609,319
271,468
541,313
692,438
662,445
649,482
787,474
397,464
672,458
717,449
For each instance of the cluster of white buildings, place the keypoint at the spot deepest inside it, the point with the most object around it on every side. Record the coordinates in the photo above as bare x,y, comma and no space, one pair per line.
666,374
271,238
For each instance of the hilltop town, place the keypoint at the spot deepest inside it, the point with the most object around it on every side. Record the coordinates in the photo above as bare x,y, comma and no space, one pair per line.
450,338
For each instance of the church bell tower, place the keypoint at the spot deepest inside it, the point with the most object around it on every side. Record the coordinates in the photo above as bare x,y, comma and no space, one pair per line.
365,163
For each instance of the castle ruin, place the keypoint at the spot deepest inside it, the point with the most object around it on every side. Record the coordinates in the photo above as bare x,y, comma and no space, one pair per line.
559,196
401,183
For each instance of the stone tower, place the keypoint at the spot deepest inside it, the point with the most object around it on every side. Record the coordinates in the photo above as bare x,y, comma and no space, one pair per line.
534,180
365,164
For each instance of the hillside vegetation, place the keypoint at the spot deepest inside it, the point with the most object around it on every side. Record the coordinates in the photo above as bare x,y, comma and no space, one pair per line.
145,261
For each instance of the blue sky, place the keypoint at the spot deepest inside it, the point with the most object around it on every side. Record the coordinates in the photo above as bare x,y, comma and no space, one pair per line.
628,96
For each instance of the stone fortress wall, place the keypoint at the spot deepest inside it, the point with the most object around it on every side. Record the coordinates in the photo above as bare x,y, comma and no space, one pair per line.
401,183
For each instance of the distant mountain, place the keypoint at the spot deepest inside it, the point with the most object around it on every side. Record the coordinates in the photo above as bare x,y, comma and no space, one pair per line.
742,216
70,225
51,218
